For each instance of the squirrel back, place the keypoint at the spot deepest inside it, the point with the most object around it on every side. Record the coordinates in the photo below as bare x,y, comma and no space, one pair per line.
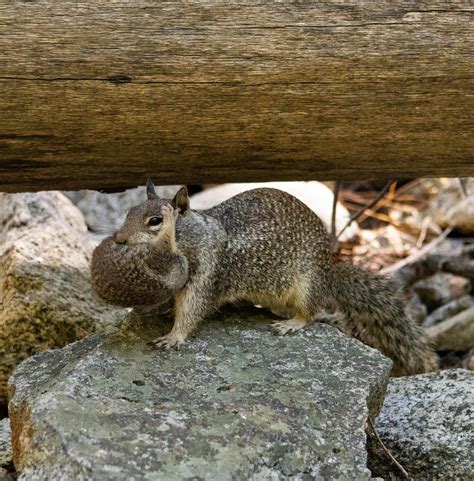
283,241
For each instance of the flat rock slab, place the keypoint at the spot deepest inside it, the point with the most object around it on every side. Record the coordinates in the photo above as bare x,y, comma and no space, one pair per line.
427,422
235,403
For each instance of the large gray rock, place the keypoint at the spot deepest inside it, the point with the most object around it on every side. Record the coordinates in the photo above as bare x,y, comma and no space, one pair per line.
235,403
46,299
427,423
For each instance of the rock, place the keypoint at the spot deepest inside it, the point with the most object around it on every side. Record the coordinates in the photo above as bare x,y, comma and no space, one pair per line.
456,333
448,310
416,309
234,403
105,213
5,475
451,207
427,423
469,360
315,195
45,294
441,288
6,455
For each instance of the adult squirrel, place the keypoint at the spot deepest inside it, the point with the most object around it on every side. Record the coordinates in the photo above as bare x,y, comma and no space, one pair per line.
266,247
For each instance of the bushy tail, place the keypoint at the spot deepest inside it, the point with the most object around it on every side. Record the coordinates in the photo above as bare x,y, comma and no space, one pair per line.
376,315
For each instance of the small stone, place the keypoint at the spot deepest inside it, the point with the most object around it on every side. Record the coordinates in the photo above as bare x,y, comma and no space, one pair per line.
427,423
416,309
441,288
452,207
470,362
455,334
448,310
5,475
6,454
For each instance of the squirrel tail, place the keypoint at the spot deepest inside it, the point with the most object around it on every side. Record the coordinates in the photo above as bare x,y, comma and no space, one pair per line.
375,314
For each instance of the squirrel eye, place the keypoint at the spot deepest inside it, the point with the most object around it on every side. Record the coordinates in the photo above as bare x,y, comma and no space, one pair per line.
154,221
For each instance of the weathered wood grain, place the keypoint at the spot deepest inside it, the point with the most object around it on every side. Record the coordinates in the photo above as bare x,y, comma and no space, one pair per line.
102,94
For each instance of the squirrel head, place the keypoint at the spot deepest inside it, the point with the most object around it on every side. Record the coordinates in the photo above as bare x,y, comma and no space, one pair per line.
143,222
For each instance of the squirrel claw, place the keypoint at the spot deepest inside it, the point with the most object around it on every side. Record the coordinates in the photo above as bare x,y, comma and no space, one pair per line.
152,345
282,328
166,343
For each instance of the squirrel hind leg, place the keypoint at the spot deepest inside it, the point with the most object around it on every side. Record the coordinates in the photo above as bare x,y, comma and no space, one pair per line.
286,312
335,319
299,322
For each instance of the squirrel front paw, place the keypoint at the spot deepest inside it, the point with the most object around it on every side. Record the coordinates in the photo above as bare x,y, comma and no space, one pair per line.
165,343
169,214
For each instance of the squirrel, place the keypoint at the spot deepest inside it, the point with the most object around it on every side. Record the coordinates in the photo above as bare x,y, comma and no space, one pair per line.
141,273
266,247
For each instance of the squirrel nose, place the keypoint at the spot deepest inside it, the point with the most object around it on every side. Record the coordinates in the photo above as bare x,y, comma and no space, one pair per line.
120,237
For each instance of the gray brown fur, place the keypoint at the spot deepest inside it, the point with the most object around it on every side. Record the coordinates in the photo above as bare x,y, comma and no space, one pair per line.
141,273
266,247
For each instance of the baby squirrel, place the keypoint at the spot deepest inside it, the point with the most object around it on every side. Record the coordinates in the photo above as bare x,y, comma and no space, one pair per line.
141,273
266,247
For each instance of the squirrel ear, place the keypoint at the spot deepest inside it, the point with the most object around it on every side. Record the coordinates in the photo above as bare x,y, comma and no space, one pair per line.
181,200
150,190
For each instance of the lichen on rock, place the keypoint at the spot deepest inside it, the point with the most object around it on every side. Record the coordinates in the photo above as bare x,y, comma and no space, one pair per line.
234,403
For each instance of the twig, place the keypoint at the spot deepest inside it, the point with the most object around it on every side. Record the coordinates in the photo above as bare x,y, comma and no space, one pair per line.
424,230
410,209
392,191
463,186
406,228
337,189
368,206
385,449
418,254
408,186
362,197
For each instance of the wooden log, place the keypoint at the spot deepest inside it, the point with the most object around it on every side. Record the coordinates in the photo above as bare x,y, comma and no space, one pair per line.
103,94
